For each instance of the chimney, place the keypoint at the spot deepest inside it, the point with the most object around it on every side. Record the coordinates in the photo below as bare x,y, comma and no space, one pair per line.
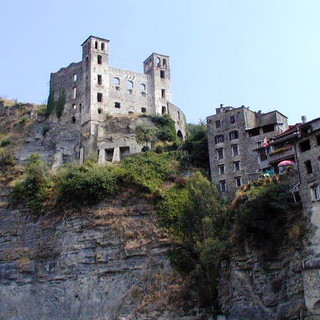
303,119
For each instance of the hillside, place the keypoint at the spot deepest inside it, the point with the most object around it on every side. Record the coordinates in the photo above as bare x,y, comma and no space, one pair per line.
147,238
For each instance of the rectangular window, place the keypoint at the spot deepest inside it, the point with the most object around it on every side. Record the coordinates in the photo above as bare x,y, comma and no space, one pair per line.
163,93
219,153
219,138
162,74
308,166
233,135
74,93
75,78
235,150
99,97
99,59
117,105
223,185
318,139
254,132
221,169
315,193
232,119
99,79
238,182
236,165
218,124
304,145
143,110
268,128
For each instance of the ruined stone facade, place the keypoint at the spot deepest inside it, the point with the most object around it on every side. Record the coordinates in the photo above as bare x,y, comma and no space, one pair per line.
233,134
95,91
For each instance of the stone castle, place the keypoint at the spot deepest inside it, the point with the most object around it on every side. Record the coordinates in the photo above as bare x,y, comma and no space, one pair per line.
96,92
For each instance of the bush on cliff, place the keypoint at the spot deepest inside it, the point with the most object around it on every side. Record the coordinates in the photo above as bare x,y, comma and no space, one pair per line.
88,183
35,184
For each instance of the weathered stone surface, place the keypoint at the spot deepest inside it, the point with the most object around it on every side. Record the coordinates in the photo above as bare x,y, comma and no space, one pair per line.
108,262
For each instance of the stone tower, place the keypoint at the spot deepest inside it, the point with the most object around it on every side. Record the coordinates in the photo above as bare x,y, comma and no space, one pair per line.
157,66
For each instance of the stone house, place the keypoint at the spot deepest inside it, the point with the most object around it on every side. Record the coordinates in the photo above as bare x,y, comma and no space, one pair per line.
96,92
233,134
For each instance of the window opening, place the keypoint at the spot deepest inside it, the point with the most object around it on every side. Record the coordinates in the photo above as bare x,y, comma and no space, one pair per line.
116,81
158,62
318,139
73,119
232,119
219,153
235,150
223,185
238,181
219,138
142,87
96,45
117,105
74,93
254,132
129,84
102,46
164,62
236,165
99,79
221,169
308,166
162,74
234,135
268,128
163,93
218,124
99,59
99,110
164,110
99,97
143,110
304,145
75,78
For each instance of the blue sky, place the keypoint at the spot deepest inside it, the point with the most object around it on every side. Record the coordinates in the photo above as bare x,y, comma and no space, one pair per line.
264,54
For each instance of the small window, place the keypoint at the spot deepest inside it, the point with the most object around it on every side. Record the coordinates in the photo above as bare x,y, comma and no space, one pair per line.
318,139
99,79
304,145
142,87
218,124
223,185
80,107
268,128
74,106
158,61
233,135
117,88
232,119
162,74
143,110
164,62
130,112
99,110
129,84
99,97
163,93
236,165
116,81
73,119
308,166
164,110
75,78
117,105
238,182
102,46
221,169
219,153
254,132
74,93
178,114
219,138
315,192
96,45
99,59
235,150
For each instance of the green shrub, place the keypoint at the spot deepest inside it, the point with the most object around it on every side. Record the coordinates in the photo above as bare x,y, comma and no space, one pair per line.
89,183
59,105
149,170
4,142
36,183
166,128
51,104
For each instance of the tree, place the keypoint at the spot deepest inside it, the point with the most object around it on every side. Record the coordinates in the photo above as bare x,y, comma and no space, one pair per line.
146,134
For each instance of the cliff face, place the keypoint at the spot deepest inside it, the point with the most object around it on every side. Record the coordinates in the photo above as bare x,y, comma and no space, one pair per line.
107,262
256,285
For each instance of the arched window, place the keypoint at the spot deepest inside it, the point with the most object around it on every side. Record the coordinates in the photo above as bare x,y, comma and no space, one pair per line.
180,135
142,87
129,84
164,62
102,46
158,62
233,135
96,45
219,138
116,81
